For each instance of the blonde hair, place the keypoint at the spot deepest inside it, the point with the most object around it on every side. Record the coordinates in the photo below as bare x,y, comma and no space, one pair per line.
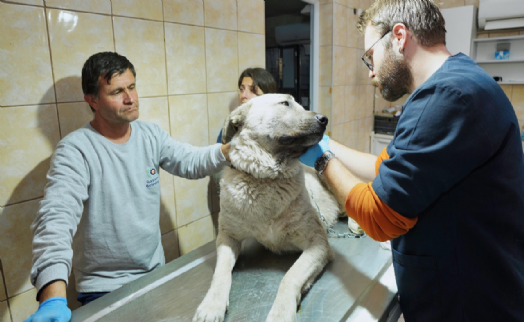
422,17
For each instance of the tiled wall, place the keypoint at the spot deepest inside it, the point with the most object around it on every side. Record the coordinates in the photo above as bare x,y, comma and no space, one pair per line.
187,54
345,89
346,93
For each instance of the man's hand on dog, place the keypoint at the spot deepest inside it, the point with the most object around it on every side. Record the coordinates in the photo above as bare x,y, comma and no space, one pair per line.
225,150
315,151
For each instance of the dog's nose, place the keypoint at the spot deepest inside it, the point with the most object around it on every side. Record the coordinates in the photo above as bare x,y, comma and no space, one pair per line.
322,119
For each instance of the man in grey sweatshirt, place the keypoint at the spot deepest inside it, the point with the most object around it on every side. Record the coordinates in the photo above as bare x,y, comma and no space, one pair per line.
103,188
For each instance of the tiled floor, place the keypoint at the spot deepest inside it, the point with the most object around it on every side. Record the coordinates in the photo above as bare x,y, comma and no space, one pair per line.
401,318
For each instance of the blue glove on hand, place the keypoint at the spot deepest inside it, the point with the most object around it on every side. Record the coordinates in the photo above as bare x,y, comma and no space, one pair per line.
315,151
52,310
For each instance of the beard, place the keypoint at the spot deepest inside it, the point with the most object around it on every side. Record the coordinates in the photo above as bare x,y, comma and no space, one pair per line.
394,77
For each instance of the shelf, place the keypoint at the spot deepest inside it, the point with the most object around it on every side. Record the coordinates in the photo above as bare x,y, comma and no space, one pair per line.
497,39
505,61
509,69
511,83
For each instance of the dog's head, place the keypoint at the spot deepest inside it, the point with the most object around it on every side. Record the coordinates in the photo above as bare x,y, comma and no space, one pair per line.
269,133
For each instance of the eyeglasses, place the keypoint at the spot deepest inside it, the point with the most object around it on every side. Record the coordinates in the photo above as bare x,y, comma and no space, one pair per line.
365,62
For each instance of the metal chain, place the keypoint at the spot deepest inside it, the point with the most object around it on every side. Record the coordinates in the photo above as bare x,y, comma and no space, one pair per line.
331,233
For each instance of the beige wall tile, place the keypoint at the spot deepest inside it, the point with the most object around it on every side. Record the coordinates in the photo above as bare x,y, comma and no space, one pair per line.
472,2
362,70
186,59
325,65
219,105
360,101
508,90
25,71
340,22
188,119
352,130
142,42
221,14
3,296
338,133
348,140
354,4
94,6
28,137
32,2
251,51
74,38
350,110
324,102
147,9
339,65
192,200
195,235
170,245
23,305
5,315
337,112
16,245
73,116
352,32
251,16
364,4
221,60
517,100
352,64
363,139
370,92
442,4
380,102
326,24
189,12
156,110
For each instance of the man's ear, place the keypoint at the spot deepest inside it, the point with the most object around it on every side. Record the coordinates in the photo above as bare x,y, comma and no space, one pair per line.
92,101
234,122
400,36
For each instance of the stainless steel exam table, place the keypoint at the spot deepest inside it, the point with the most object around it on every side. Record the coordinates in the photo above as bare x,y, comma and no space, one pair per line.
358,285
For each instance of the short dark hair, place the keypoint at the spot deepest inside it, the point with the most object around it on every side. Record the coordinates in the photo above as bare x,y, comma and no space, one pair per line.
261,78
422,17
104,64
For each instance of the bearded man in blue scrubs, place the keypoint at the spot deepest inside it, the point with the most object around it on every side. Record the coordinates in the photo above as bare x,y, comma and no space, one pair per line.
448,191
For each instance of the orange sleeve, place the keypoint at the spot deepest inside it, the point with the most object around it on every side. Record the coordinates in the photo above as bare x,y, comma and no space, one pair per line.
376,218
383,156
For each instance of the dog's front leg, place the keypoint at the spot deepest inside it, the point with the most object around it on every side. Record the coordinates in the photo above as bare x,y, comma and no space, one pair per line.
214,305
298,278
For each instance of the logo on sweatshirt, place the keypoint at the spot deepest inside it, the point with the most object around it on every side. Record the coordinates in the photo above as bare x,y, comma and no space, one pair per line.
153,180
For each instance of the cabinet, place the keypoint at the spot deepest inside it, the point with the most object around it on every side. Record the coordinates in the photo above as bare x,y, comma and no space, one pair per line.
512,69
379,142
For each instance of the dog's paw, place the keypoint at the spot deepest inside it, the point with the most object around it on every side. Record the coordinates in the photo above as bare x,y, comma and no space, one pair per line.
282,313
354,227
210,311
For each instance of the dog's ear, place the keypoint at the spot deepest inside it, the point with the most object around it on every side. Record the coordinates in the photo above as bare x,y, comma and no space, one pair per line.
234,122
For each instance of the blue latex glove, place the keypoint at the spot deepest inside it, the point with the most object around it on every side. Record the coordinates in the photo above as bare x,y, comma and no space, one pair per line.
315,151
52,310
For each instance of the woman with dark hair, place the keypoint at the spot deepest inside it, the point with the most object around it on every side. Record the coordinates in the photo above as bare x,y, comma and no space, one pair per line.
253,82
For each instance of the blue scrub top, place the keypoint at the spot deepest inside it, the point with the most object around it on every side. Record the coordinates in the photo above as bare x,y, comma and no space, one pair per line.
456,163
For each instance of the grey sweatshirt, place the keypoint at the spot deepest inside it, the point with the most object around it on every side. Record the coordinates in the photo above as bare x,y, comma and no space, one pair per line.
107,197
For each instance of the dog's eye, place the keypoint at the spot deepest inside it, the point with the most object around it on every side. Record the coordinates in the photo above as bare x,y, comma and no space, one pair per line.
286,103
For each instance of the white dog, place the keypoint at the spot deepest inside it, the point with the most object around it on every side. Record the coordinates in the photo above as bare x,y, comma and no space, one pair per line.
263,195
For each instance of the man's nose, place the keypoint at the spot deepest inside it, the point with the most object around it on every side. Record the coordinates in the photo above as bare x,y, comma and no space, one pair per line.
128,97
